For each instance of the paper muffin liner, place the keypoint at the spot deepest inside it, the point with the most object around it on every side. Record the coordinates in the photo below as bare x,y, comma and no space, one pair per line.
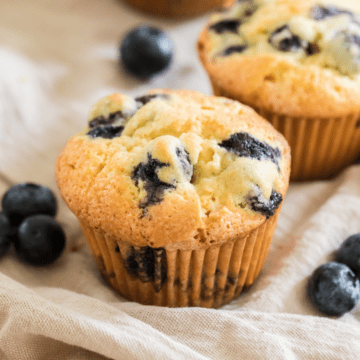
182,8
320,147
208,276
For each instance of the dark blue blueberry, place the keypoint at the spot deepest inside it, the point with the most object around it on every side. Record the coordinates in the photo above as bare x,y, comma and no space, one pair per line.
40,240
155,188
143,100
283,39
147,264
334,289
108,120
234,49
243,144
349,253
146,51
25,199
7,233
265,207
318,12
228,25
106,131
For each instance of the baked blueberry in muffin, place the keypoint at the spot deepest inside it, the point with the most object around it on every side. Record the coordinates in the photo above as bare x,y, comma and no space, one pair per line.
147,264
234,49
105,131
283,39
222,26
243,144
265,206
154,187
143,100
108,120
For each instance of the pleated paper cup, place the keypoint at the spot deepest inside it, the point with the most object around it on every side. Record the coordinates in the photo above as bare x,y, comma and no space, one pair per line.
178,8
321,147
176,277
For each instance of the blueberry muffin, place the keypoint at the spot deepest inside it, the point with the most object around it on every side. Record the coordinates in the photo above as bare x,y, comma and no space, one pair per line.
178,194
178,8
297,63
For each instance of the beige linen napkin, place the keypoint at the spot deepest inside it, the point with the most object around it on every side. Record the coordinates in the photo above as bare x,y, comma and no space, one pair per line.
54,323
56,59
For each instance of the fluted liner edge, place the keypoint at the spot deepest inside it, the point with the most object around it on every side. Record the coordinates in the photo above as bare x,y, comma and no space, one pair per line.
209,276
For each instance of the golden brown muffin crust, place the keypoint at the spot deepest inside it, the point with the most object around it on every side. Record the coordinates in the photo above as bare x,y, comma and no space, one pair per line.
171,176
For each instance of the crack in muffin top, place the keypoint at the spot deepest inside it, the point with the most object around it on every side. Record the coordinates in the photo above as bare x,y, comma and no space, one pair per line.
177,152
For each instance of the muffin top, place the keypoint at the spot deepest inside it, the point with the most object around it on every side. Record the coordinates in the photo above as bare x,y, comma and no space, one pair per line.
172,167
299,58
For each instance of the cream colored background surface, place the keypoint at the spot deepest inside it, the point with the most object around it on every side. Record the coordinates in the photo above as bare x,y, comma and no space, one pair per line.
56,59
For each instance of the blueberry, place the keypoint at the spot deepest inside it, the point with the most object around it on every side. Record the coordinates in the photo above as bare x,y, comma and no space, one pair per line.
244,145
105,131
284,40
106,120
147,263
27,199
6,233
143,100
40,240
155,188
234,49
146,51
334,289
258,203
349,253
228,25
